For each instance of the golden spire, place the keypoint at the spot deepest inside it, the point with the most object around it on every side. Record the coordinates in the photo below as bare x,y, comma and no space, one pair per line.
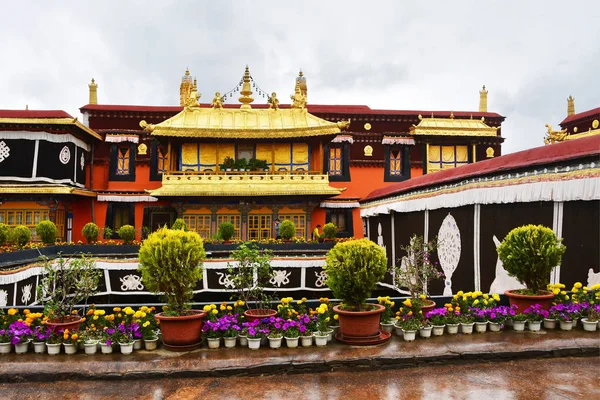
185,89
301,83
93,92
246,92
570,106
483,100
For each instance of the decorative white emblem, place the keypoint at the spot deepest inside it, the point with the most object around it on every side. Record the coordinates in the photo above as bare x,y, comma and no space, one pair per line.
321,278
280,277
593,278
26,293
4,151
503,281
82,161
3,298
380,236
65,155
449,248
131,282
225,280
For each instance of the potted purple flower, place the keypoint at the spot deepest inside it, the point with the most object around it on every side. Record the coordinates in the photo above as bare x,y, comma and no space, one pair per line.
230,327
275,331
497,316
480,317
437,317
535,315
40,334
20,335
256,332
565,314
307,327
212,332
5,345
291,332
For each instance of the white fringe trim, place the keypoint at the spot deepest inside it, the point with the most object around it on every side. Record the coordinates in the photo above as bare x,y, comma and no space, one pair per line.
121,138
332,204
125,198
397,140
343,138
572,190
49,137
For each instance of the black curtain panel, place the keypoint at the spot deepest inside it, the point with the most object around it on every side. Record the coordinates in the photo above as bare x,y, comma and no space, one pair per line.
17,157
56,160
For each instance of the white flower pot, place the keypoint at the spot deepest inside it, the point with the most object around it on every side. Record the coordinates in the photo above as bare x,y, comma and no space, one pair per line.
275,343
230,341
549,323
566,325
254,343
575,322
495,326
243,341
214,343
438,330
5,348
481,327
399,330
53,348
329,335
452,329
519,325
39,347
291,343
589,326
467,329
137,344
409,336
425,332
150,344
90,348
306,341
106,348
126,348
70,348
534,326
389,327
320,340
21,348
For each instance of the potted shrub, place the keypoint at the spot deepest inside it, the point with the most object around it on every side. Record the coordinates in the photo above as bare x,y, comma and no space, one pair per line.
21,235
179,224
529,253
226,231
416,270
65,284
228,164
593,315
4,234
127,233
171,265
90,341
410,326
46,232
90,232
329,231
107,233
287,230
353,270
249,276
240,164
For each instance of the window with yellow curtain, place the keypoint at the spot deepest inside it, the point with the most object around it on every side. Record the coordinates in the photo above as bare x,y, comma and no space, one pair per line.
199,223
123,156
335,160
446,157
235,219
162,159
395,161
259,226
29,218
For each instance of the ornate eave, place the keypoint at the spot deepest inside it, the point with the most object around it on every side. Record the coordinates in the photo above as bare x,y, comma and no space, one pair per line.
244,185
452,127
583,135
51,121
45,189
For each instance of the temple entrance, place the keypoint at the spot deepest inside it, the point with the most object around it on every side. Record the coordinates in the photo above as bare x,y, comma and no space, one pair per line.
159,219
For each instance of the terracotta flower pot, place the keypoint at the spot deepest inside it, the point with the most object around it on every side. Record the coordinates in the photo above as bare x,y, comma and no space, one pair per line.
427,306
182,333
523,301
70,322
254,314
359,324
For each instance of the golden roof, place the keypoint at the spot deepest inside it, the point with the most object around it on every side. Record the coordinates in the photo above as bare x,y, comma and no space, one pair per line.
452,127
244,122
44,189
244,185
51,121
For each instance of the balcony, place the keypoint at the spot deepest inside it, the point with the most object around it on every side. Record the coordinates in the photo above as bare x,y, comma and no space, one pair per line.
245,183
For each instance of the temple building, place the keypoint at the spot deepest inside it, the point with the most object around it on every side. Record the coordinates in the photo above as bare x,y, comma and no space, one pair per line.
245,163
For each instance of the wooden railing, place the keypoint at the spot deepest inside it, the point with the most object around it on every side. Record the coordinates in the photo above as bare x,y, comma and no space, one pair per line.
222,172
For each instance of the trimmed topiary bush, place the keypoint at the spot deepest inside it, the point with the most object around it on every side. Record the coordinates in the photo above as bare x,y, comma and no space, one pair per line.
90,232
21,235
329,230
353,270
226,231
4,234
46,231
179,224
108,232
529,253
127,233
287,229
171,265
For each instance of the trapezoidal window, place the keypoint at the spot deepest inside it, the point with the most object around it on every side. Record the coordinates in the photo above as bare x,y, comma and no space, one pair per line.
122,162
446,157
395,161
335,161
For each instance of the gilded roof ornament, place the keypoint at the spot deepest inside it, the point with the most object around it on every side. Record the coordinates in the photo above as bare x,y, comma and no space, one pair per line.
570,106
343,124
192,100
298,99
273,101
483,99
146,126
554,136
217,101
246,92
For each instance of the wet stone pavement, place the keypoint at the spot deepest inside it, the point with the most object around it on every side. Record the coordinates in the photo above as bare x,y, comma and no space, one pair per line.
554,378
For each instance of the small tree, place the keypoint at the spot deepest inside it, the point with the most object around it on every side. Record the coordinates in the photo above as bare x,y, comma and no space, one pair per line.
179,224
127,233
416,269
287,229
329,230
4,234
108,233
353,270
226,230
46,231
171,265
530,253
67,282
252,272
90,232
21,235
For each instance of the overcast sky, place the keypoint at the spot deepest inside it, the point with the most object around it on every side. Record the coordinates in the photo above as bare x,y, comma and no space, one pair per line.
531,55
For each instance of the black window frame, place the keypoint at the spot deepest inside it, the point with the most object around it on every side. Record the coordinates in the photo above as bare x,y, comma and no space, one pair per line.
349,232
345,175
110,212
114,151
405,163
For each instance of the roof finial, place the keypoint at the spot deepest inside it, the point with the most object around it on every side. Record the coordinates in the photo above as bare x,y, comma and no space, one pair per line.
570,106
26,106
451,114
301,83
483,100
246,92
93,92
185,89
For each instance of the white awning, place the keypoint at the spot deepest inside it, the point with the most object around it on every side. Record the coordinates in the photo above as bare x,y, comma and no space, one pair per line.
343,138
126,198
340,204
121,138
398,140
